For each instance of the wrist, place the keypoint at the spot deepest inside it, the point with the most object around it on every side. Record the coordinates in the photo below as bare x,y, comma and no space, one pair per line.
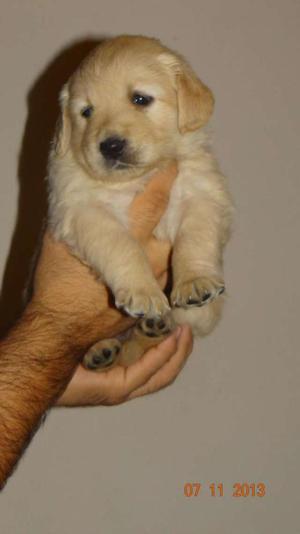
55,328
79,327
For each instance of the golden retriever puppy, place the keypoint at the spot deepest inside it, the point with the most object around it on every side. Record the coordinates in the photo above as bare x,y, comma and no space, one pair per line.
132,107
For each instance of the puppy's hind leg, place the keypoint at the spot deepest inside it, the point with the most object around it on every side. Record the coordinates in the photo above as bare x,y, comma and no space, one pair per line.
148,333
107,353
202,319
102,355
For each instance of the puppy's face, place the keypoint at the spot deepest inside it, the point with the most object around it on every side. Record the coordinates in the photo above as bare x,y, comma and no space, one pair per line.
127,106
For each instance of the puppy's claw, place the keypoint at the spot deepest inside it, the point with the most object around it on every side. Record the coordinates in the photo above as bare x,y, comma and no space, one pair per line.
197,293
142,303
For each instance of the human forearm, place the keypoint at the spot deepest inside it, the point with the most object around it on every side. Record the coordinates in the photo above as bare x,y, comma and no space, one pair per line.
70,311
36,361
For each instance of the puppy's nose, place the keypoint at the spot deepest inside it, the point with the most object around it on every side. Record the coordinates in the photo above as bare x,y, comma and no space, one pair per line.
112,147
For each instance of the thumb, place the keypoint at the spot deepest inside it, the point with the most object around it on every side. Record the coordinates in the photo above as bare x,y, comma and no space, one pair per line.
148,207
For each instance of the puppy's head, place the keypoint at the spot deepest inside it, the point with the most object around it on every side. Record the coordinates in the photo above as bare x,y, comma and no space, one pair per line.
126,107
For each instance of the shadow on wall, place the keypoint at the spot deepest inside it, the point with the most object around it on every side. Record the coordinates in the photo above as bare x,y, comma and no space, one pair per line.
32,203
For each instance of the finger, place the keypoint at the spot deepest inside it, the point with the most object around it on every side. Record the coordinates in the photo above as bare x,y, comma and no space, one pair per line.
88,388
148,207
140,372
158,253
162,280
170,370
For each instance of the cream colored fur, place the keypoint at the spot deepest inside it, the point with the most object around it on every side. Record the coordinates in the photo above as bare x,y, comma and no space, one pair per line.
88,202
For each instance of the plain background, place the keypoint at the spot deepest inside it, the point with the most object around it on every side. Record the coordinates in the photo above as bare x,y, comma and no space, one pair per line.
233,414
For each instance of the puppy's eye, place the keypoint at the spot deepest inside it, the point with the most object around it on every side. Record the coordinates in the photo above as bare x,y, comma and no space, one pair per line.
141,100
87,111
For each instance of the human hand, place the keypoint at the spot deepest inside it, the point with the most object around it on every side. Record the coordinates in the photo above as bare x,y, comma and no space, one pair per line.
156,369
68,290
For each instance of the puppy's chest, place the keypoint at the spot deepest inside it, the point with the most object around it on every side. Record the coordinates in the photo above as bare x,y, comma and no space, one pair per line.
118,202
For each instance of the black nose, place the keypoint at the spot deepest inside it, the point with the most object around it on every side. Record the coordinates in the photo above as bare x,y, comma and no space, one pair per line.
112,147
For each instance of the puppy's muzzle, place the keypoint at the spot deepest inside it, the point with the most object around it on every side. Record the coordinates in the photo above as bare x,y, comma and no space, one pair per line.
113,148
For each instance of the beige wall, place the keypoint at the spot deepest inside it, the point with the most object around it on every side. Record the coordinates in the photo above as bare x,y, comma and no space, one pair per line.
233,415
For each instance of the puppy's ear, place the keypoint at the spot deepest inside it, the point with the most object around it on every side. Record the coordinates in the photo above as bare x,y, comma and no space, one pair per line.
195,100
63,126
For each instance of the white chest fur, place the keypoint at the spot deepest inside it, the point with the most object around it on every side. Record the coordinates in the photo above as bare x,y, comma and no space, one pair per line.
193,180
70,189
117,202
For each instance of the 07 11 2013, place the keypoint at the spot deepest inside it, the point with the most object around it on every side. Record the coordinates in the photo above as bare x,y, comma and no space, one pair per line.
217,489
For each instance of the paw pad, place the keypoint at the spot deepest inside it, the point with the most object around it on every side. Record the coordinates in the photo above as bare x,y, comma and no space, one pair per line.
157,327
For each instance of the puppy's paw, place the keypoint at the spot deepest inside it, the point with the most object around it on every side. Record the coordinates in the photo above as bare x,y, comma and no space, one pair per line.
156,327
197,292
142,302
102,355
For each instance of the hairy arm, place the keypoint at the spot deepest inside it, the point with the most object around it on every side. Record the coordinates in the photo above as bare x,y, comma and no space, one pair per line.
69,311
30,358
37,359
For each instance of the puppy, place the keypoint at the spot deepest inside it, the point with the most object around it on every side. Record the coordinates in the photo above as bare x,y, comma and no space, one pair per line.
132,107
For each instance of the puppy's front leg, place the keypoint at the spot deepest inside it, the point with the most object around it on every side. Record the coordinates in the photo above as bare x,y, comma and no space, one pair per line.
197,256
108,247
